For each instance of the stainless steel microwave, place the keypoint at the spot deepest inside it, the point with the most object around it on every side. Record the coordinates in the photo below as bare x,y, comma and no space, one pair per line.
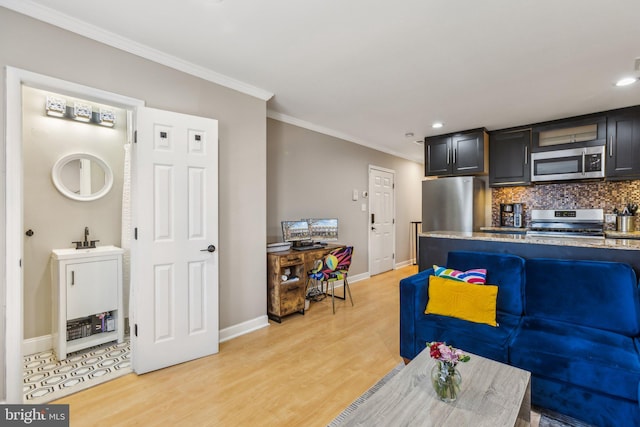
570,164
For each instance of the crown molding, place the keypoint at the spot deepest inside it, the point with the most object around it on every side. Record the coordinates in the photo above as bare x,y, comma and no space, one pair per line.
66,22
337,134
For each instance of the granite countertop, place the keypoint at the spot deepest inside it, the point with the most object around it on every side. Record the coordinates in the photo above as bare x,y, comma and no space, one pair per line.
611,243
504,229
609,234
622,234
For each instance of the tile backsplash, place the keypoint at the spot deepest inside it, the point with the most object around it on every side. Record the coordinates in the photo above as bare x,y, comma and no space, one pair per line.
585,195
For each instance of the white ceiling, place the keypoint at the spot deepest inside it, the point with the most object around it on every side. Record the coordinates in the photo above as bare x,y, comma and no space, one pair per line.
370,71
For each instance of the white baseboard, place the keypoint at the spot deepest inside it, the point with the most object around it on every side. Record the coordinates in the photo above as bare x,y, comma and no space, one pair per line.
358,277
243,328
37,345
403,264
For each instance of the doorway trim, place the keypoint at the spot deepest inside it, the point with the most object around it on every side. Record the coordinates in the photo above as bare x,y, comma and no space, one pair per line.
369,245
13,280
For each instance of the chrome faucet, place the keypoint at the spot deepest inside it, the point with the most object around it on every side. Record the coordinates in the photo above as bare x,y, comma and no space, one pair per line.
86,244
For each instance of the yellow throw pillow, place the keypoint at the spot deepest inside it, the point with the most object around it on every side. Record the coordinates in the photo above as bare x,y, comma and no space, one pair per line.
475,303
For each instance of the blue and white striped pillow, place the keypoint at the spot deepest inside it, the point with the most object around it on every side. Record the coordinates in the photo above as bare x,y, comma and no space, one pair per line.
477,276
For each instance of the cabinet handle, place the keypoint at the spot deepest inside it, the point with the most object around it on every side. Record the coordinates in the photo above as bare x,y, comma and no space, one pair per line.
526,155
454,155
611,146
73,278
448,154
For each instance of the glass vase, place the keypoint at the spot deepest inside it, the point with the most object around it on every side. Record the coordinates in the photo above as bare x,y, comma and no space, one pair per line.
446,380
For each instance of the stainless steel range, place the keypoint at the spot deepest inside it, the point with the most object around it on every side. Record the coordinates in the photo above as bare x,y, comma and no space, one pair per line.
567,223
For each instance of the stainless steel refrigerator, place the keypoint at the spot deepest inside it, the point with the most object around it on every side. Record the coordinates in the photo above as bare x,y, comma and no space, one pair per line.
453,204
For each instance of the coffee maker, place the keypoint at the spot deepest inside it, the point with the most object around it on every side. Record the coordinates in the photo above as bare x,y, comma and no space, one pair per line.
517,215
511,215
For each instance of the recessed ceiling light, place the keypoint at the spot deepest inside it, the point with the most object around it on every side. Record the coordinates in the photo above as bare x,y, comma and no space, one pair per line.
437,125
408,135
626,81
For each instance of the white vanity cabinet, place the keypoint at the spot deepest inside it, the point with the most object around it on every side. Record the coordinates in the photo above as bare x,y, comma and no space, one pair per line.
86,283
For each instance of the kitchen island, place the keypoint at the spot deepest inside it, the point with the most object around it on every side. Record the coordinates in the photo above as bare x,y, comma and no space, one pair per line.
434,247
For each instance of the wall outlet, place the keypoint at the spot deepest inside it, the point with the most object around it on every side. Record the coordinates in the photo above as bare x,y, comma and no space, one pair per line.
363,208
610,218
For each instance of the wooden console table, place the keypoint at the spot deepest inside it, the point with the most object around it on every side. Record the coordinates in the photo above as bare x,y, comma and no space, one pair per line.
287,297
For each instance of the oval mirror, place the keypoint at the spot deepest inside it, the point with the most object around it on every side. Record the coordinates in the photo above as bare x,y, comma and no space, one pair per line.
82,176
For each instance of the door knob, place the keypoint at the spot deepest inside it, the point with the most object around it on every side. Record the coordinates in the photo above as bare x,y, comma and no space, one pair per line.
210,248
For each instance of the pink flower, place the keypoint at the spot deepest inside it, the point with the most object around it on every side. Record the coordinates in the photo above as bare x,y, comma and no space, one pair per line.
447,354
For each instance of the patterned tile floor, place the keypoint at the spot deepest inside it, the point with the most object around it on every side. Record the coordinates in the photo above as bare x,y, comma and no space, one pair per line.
46,378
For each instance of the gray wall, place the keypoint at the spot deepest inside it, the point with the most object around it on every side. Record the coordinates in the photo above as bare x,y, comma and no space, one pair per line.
35,46
310,174
56,219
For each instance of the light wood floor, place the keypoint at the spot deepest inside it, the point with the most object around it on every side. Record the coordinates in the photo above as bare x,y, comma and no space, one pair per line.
302,372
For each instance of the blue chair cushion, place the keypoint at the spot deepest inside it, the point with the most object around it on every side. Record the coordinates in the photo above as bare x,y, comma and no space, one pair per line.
591,358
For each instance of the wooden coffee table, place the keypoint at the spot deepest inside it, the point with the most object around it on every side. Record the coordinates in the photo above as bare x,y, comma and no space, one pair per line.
492,394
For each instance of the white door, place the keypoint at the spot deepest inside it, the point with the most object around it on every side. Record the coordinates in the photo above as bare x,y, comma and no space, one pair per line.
381,220
174,258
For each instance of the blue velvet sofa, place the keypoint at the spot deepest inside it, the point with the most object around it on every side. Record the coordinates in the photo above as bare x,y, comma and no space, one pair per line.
575,325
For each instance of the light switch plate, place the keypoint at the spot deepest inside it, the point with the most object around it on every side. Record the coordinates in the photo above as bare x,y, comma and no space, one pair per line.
354,197
363,207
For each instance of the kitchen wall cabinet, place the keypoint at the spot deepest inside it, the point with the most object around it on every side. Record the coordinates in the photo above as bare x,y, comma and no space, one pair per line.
509,154
623,144
462,153
587,131
437,156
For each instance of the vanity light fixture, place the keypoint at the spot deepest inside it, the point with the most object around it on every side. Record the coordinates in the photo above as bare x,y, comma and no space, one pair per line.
437,125
82,112
56,107
107,117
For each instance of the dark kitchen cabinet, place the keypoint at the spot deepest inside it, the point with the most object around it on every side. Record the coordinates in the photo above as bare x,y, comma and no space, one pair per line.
462,153
583,131
509,152
623,144
437,156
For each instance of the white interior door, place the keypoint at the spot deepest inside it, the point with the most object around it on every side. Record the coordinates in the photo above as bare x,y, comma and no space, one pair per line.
382,222
174,258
